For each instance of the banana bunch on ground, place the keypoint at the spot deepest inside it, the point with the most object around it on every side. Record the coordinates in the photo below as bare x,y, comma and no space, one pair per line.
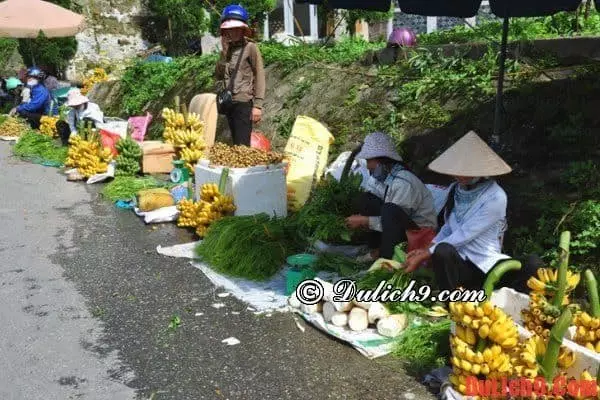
13,127
87,156
48,126
128,160
186,132
211,207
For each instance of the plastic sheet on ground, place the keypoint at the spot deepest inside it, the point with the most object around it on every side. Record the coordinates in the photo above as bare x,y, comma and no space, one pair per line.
110,173
262,296
164,214
368,342
9,138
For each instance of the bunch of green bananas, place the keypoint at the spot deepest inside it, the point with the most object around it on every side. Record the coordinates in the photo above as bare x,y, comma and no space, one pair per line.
128,160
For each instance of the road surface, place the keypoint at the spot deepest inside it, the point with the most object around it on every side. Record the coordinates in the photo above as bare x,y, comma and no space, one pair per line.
86,303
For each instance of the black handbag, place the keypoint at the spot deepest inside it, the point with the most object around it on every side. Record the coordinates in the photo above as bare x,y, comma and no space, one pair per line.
225,96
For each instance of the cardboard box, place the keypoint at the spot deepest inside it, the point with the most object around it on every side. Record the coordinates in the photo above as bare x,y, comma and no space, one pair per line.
157,157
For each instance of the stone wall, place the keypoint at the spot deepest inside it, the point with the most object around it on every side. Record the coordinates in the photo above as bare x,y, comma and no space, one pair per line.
113,34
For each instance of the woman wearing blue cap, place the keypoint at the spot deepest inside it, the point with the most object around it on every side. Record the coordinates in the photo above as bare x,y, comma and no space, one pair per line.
241,76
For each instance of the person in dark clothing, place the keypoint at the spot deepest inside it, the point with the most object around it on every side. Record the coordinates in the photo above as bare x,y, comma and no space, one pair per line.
473,221
396,202
41,102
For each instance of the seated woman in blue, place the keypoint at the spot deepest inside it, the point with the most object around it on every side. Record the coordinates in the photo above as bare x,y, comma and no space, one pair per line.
40,103
473,221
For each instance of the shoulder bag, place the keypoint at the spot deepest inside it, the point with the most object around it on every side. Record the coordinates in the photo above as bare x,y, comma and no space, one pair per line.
225,96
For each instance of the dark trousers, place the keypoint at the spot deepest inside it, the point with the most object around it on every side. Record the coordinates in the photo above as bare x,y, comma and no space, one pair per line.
452,271
64,130
32,118
240,122
394,223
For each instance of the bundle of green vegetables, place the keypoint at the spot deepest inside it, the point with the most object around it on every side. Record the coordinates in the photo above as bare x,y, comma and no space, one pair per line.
342,265
252,247
128,160
424,346
126,187
40,148
323,216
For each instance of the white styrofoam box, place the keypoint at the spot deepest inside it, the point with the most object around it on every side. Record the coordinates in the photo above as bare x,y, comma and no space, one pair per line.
255,190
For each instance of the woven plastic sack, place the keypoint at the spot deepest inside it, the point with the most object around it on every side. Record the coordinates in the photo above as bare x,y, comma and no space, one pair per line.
139,126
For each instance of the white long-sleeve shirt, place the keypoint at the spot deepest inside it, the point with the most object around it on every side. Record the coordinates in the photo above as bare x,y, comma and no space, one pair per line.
478,237
92,112
404,189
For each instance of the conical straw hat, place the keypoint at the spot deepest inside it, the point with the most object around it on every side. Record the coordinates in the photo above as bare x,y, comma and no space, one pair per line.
470,157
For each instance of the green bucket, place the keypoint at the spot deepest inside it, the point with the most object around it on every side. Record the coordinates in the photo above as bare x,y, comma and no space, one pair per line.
301,268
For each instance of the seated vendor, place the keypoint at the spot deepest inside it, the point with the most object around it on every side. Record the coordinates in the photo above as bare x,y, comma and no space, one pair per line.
469,243
40,102
12,88
81,110
396,201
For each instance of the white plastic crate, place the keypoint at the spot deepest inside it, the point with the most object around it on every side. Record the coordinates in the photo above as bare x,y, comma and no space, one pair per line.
255,190
512,302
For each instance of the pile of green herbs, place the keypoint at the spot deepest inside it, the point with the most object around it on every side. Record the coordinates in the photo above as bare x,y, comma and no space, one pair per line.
40,148
424,346
126,187
323,215
342,265
251,247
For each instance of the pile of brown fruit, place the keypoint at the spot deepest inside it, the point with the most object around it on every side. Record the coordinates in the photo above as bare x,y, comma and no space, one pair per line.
241,156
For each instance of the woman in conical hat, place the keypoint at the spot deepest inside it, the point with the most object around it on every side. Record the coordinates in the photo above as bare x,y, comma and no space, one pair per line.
473,220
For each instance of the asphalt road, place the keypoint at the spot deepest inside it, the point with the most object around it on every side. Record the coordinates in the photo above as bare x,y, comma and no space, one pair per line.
86,303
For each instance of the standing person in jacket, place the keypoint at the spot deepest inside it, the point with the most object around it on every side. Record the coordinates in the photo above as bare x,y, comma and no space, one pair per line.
469,243
248,91
82,110
41,102
396,202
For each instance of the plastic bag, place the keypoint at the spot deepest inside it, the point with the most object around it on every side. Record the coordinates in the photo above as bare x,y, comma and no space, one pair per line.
307,151
110,140
419,238
260,141
139,126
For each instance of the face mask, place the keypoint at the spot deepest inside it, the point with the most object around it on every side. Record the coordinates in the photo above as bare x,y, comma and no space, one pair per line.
380,173
32,82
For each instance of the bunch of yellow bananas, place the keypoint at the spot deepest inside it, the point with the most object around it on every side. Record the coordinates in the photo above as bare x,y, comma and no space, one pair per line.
588,331
486,321
480,321
547,281
540,316
187,133
211,207
97,76
48,126
87,156
13,127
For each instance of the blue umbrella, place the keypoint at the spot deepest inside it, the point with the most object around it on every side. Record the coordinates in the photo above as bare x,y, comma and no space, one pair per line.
466,9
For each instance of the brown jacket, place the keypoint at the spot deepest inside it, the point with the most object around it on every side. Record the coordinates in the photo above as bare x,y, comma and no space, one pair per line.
249,82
